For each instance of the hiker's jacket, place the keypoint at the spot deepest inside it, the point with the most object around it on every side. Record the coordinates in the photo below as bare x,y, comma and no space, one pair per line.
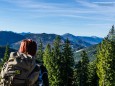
19,70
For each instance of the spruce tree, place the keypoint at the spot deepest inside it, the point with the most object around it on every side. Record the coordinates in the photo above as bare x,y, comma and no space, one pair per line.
111,35
48,63
84,69
6,54
40,52
77,75
81,71
92,75
52,61
106,61
67,62
57,56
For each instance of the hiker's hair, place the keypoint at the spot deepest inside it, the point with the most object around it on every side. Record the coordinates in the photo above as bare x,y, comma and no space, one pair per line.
28,46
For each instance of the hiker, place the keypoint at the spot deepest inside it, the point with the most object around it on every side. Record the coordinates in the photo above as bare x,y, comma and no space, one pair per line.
21,68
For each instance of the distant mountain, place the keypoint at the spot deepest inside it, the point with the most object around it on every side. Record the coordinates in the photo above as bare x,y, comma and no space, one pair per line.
91,51
83,40
91,40
77,42
2,51
25,33
46,38
8,37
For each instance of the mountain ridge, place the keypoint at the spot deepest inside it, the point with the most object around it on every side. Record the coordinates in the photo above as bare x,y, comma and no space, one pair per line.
77,42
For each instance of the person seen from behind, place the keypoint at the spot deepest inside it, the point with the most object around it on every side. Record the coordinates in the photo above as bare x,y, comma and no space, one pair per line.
21,68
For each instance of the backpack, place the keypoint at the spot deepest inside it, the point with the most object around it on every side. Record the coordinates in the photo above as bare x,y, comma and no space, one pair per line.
19,70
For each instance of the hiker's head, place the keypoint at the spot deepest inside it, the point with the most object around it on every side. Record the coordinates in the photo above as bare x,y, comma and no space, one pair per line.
28,46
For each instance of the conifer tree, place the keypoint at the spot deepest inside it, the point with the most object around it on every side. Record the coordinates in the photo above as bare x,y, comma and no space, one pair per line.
40,52
92,75
106,61
67,64
81,71
52,61
84,69
111,35
57,56
77,75
6,54
48,63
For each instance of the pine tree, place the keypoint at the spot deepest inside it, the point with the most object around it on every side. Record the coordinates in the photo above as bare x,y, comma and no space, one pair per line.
6,54
52,61
48,63
81,71
57,56
92,75
67,64
106,63
40,52
77,75
106,60
59,63
111,35
84,69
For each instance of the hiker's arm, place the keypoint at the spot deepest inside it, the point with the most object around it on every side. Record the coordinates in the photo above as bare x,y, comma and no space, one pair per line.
3,72
7,67
45,79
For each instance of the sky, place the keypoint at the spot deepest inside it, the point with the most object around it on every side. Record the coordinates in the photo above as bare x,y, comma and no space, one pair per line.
78,17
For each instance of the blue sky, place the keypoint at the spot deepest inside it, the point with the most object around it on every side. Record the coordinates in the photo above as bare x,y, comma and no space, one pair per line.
78,17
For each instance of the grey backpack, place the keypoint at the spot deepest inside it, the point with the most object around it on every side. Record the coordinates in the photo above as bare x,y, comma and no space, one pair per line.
19,70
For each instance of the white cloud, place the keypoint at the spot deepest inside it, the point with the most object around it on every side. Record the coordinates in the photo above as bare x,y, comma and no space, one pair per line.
86,10
104,2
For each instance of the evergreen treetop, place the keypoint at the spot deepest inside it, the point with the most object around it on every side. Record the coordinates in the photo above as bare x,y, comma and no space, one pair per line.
111,35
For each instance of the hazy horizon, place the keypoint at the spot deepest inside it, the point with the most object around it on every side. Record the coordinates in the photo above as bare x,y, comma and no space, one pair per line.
52,33
77,17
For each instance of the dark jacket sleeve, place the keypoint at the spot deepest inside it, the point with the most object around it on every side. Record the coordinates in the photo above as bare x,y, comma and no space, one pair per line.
45,79
45,76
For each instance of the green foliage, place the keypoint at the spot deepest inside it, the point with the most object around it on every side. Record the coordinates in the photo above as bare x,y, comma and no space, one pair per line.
6,56
52,61
57,56
91,52
111,35
77,75
40,53
81,71
59,63
84,68
48,62
92,75
67,64
106,63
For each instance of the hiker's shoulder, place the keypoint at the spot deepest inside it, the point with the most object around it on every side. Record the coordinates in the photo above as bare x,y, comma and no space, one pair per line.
14,54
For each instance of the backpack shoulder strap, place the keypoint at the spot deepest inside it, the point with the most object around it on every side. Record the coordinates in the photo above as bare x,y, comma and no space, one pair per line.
33,76
36,69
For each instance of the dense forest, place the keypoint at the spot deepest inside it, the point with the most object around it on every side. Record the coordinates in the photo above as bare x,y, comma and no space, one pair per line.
64,70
